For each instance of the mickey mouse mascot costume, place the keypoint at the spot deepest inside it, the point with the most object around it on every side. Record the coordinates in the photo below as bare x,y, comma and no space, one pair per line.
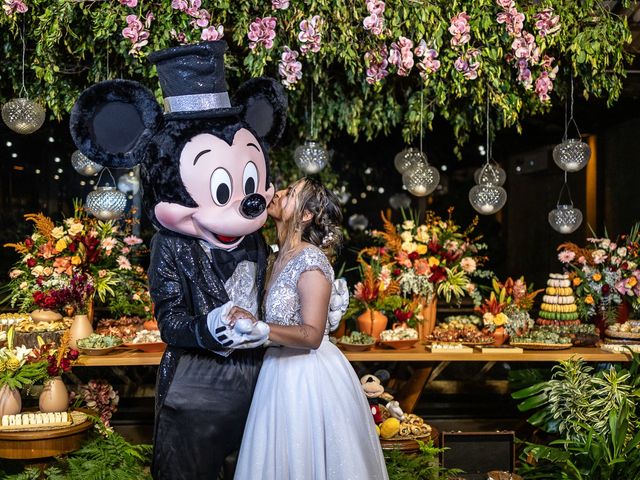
205,178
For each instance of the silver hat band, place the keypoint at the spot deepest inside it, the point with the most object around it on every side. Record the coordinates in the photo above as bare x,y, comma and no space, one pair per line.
197,102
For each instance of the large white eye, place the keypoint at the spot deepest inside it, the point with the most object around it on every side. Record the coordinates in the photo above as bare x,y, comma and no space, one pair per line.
250,178
221,186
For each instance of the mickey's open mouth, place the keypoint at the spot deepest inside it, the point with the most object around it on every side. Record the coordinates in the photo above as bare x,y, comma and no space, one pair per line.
226,240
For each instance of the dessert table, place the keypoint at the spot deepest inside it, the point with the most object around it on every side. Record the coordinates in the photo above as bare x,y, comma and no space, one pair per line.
425,365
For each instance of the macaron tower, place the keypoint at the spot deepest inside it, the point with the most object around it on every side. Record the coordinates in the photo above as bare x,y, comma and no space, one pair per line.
558,303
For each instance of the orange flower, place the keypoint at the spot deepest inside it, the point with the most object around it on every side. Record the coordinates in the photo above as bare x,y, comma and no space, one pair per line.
63,265
589,300
596,277
577,281
421,267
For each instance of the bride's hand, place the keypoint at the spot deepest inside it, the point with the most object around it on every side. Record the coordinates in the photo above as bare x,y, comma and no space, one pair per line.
237,313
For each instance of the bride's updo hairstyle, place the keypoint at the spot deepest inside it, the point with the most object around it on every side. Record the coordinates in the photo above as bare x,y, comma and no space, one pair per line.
324,229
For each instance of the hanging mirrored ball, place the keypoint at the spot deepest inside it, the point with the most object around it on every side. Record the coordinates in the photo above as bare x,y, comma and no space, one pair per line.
572,155
23,115
84,165
487,199
565,219
421,180
106,203
311,157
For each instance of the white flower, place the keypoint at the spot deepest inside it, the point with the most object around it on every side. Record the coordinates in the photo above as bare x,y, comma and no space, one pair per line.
57,233
622,251
123,263
599,256
468,264
488,318
37,271
15,273
605,243
408,225
406,236
75,229
22,352
24,285
35,236
132,240
108,243
409,247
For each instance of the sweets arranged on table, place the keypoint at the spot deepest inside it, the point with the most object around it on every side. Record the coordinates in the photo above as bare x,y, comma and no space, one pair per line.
629,330
357,338
541,336
398,333
558,303
27,331
99,341
51,419
147,336
463,333
124,328
449,347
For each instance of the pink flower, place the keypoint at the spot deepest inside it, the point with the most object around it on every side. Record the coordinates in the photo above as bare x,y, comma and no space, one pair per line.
203,18
132,240
467,64
566,256
15,273
460,29
262,31
468,264
513,20
181,37
211,34
374,23
401,56
428,64
543,86
375,7
280,4
129,3
506,4
421,267
14,6
181,5
547,23
289,68
598,256
376,63
193,10
123,263
309,35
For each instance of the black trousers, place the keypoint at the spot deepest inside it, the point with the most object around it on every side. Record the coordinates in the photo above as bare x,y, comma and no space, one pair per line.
202,418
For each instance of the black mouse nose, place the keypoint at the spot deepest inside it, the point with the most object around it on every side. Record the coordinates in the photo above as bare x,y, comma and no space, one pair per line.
253,205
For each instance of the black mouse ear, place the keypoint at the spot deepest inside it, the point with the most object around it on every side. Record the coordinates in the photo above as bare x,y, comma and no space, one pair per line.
113,121
264,104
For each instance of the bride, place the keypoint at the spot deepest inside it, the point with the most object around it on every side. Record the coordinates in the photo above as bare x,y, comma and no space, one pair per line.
309,419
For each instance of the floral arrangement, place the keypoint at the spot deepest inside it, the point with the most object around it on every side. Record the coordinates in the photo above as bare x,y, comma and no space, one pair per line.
605,273
359,55
59,360
67,264
100,396
508,306
436,258
376,290
20,366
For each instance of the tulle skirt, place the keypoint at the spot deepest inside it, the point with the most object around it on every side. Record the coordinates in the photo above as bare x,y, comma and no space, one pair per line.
309,420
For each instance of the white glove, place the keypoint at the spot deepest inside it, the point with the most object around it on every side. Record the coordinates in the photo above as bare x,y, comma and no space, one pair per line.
240,336
394,410
338,303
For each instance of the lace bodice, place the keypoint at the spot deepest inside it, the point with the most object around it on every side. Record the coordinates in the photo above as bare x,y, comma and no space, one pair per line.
282,302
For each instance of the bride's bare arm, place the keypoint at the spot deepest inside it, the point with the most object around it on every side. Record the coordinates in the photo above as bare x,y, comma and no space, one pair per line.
314,291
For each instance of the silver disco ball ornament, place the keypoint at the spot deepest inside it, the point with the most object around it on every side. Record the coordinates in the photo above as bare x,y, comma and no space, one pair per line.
84,165
565,219
490,174
399,201
311,157
23,115
106,203
408,158
572,155
129,183
358,222
487,199
421,180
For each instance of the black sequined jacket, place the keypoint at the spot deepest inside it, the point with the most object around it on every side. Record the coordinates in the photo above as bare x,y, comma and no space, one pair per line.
185,285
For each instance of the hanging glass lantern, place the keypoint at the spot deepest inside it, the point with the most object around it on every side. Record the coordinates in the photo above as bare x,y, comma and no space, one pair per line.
399,200
106,203
311,157
23,115
358,222
572,155
490,174
408,158
422,179
487,199
129,183
84,165
565,219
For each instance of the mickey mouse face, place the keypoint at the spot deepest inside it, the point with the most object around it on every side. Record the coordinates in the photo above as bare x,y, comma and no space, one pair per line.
227,182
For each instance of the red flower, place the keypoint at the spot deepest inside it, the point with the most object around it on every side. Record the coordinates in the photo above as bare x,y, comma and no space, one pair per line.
73,354
72,247
397,272
414,256
437,274
28,242
402,316
605,289
31,262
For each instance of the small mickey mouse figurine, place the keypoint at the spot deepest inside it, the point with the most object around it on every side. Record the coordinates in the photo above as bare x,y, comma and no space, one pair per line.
373,389
205,178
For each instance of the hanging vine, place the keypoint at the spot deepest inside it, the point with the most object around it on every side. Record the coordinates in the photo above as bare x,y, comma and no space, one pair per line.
367,59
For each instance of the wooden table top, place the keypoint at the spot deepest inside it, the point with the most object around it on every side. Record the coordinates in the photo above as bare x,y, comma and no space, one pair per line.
415,354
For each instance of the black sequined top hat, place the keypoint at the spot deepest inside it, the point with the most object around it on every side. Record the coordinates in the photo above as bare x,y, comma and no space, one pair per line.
193,81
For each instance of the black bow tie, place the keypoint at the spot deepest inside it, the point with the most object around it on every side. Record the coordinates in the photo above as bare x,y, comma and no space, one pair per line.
225,261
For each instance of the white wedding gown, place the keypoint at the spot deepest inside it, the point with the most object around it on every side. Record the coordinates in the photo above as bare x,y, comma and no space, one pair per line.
309,418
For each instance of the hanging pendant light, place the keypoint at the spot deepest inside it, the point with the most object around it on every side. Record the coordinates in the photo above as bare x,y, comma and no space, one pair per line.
84,165
408,158
22,115
358,222
129,182
565,218
400,201
572,154
106,202
419,178
488,197
312,156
